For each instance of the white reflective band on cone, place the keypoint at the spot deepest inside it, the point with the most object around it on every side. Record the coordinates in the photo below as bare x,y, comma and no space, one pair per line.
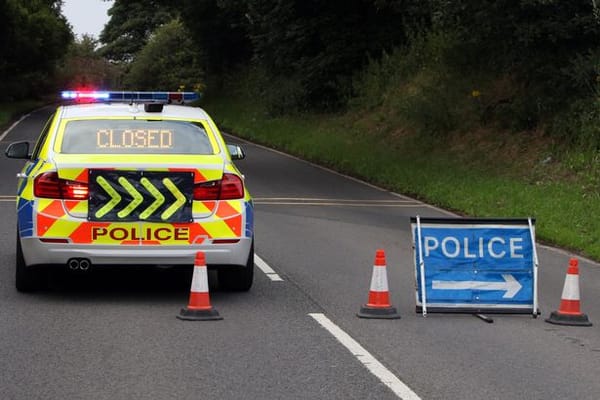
200,280
379,281
571,288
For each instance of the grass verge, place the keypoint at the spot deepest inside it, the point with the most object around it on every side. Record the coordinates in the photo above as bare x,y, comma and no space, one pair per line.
479,174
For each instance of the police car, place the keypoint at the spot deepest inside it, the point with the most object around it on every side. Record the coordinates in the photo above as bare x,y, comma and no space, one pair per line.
131,178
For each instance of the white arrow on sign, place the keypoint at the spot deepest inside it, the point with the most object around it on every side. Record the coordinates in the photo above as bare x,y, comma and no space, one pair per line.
510,285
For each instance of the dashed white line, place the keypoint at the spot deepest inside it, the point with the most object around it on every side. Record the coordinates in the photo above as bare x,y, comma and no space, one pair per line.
264,267
371,363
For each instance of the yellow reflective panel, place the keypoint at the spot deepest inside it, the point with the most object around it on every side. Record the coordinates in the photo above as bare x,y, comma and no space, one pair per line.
218,229
179,199
159,198
115,197
61,228
137,198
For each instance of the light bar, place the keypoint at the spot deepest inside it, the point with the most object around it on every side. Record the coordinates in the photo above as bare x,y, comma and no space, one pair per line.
130,97
73,95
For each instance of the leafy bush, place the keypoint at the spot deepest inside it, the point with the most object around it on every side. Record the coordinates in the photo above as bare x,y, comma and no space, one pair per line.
169,61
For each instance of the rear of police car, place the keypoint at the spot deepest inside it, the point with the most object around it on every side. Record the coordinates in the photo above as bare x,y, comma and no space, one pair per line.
125,179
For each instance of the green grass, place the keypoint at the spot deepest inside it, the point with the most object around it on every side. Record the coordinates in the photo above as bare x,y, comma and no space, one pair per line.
481,175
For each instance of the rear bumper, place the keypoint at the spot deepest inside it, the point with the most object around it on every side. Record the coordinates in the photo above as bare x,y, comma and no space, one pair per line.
36,252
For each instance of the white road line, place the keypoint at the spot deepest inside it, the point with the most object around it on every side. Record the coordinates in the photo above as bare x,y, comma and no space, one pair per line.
264,267
297,199
371,363
295,203
10,128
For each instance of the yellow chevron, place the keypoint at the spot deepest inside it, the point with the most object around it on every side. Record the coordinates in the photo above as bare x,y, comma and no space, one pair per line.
115,197
180,199
160,199
137,198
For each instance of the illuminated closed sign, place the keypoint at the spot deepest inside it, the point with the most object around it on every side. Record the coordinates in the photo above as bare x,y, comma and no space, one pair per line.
134,138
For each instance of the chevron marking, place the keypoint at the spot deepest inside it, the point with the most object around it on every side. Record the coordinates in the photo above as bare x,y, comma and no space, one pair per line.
159,198
179,202
115,198
135,202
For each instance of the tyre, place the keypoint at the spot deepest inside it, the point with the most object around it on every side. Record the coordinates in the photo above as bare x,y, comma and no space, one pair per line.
238,279
27,279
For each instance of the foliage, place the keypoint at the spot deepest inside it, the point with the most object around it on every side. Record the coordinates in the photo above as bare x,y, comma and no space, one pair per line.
85,68
535,41
167,62
131,25
437,66
316,45
218,27
493,175
579,125
33,38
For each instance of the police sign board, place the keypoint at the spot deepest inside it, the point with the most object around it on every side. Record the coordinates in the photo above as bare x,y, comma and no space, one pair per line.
475,265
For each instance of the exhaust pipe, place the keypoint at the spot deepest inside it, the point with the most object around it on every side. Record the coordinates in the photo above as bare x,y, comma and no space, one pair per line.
79,264
84,264
73,264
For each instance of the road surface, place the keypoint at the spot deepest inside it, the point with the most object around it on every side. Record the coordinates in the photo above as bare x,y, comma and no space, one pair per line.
113,334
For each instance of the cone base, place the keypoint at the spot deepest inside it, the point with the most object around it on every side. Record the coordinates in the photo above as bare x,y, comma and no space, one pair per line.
568,319
199,315
378,313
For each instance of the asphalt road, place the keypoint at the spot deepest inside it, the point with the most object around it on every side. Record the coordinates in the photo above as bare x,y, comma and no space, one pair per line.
113,334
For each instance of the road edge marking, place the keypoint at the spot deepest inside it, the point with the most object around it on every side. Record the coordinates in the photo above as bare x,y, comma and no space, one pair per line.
399,195
386,377
266,269
357,180
10,128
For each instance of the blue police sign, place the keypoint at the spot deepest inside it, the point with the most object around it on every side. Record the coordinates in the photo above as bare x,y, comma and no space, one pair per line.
475,265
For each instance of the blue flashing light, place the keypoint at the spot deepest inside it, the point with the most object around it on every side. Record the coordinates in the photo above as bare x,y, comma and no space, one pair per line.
87,95
130,97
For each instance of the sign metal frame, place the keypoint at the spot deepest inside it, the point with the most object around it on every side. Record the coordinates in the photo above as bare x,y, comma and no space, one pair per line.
526,268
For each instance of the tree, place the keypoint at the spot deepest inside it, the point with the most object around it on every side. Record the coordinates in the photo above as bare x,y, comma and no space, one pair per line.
534,39
34,36
219,28
85,68
168,61
308,48
131,24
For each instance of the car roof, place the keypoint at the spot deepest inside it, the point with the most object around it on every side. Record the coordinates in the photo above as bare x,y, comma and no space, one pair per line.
111,110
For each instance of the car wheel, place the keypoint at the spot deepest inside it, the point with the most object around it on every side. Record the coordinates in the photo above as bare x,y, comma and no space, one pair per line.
238,279
27,279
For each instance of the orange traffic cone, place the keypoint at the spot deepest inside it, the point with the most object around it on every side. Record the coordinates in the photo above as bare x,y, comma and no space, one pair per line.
569,312
199,308
379,305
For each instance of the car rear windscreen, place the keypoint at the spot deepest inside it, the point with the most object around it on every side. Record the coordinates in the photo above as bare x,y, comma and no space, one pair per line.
100,136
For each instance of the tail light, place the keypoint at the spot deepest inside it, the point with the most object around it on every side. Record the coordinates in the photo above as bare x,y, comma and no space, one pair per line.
49,185
228,188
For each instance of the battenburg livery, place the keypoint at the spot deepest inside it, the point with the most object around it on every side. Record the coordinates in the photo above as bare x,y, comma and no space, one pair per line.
130,178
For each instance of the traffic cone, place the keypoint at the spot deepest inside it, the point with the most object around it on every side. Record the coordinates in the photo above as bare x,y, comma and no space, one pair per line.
199,308
569,312
379,305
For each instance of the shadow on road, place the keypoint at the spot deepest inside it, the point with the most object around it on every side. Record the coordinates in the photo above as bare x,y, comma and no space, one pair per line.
124,283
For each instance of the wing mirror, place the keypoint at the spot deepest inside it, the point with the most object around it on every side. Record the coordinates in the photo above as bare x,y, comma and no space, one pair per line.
236,152
18,150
